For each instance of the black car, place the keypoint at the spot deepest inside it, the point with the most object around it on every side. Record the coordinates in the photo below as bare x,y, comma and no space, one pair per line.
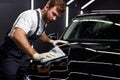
94,49
93,52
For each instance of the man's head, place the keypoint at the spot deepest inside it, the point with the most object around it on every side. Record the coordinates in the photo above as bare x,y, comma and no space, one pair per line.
53,9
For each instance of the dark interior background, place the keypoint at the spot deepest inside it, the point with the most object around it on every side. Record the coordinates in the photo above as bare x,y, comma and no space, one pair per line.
10,9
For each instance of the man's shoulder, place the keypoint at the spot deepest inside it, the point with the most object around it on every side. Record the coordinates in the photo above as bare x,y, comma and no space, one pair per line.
29,11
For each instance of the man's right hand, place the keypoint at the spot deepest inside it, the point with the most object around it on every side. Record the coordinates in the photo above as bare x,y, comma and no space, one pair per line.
38,57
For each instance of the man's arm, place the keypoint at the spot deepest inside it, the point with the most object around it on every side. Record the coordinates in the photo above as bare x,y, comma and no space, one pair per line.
45,38
19,37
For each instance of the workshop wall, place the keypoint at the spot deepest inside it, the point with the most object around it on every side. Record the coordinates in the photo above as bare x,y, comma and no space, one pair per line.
10,9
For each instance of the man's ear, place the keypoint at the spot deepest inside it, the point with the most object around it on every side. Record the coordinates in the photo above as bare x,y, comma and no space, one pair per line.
47,7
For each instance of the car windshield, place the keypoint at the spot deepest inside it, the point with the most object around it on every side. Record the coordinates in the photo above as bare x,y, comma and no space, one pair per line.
94,27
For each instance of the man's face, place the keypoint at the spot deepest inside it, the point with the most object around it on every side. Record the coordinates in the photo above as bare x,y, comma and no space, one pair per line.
51,14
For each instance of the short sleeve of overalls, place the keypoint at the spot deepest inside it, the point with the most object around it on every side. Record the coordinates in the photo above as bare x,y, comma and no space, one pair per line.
25,20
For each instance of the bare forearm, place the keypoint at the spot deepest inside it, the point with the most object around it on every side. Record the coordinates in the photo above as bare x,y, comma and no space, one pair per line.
19,37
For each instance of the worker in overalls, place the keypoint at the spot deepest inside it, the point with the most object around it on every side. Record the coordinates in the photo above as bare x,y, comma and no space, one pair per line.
29,26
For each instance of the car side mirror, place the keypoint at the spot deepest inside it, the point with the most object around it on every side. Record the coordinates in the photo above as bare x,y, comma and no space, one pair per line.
53,36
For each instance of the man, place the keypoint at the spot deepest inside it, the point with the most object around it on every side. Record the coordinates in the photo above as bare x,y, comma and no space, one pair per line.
28,27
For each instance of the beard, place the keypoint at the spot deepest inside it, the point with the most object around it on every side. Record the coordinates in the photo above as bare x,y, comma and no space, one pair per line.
46,18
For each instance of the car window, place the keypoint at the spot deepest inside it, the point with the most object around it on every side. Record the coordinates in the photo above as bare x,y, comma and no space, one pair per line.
93,27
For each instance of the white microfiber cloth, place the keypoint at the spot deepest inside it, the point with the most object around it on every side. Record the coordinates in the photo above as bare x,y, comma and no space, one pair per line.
59,54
